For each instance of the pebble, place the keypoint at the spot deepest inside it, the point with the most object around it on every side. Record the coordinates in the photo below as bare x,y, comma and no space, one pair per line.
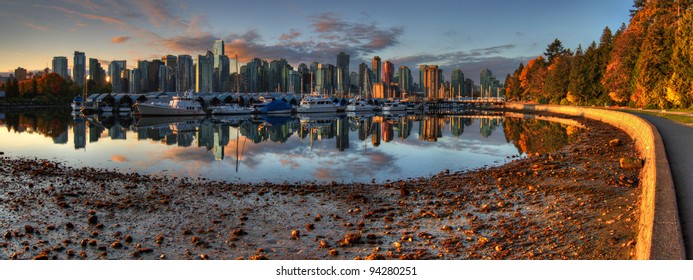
295,234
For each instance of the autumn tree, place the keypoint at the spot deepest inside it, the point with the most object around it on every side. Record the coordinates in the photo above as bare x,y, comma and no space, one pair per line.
532,78
513,89
679,89
557,79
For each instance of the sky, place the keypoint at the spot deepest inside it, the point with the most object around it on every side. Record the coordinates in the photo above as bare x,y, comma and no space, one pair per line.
471,35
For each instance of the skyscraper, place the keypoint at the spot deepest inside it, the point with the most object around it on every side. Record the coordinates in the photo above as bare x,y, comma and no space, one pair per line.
143,66
60,66
135,81
205,72
405,80
95,72
185,80
422,74
457,82
79,66
376,68
432,82
218,51
343,78
171,67
114,73
388,73
222,73
153,75
364,79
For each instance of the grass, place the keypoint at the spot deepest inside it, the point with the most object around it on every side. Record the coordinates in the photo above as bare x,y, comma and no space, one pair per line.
674,117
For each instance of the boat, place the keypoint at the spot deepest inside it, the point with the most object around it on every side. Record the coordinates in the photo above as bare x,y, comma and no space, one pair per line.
341,105
77,103
414,106
178,106
271,106
360,105
226,109
316,104
392,106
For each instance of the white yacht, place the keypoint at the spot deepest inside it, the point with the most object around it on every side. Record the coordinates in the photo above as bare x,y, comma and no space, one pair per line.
316,104
230,110
360,105
394,106
178,106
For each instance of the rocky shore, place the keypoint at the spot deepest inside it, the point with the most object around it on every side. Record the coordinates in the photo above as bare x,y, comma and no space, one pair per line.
577,203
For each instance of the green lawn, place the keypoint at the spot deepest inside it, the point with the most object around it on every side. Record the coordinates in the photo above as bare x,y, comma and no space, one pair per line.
673,117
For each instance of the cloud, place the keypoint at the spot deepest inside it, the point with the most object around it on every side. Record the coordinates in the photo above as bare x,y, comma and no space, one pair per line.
293,34
119,39
119,158
105,19
36,26
159,13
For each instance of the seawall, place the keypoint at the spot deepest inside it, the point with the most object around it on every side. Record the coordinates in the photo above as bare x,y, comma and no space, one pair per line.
659,229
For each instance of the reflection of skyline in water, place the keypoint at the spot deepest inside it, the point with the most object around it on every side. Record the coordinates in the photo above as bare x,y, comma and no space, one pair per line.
316,148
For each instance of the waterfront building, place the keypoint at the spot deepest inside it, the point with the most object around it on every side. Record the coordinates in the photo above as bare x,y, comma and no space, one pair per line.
488,84
405,80
135,81
20,74
79,68
114,72
60,66
343,78
325,79
387,78
457,82
378,91
185,80
431,82
143,66
422,75
170,81
205,71
353,82
377,69
222,73
96,72
364,79
153,75
218,52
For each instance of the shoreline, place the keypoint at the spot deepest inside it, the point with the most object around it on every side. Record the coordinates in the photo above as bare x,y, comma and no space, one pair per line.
576,203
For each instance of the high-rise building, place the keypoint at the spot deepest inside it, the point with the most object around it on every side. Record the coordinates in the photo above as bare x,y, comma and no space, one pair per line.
343,78
205,72
422,74
388,73
114,73
218,51
222,73
60,66
325,79
153,75
457,83
135,81
364,79
96,72
185,80
376,68
405,80
432,82
79,66
143,66
20,74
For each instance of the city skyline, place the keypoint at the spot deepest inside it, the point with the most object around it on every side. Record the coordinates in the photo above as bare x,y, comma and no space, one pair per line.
463,34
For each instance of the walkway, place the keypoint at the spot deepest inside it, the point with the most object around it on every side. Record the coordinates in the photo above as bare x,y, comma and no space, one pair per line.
678,140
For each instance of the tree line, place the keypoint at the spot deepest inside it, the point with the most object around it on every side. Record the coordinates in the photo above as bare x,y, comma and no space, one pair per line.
647,63
47,88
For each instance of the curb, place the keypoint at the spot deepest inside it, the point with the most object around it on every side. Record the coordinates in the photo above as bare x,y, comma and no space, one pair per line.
659,228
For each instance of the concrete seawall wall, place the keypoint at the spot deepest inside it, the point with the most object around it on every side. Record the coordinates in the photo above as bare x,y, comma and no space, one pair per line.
659,230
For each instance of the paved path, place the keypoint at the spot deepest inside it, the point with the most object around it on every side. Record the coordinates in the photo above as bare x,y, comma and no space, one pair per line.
678,142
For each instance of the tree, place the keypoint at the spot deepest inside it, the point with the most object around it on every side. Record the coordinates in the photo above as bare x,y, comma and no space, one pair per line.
618,80
679,89
554,50
532,78
557,79
513,89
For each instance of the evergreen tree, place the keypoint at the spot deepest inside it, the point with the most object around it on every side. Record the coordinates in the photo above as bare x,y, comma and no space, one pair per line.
679,89
554,50
513,89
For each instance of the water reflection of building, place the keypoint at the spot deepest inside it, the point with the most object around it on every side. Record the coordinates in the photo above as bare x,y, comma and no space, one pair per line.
388,131
364,128
375,134
61,139
205,136
457,125
95,132
221,139
79,131
405,127
487,126
342,134
117,132
431,128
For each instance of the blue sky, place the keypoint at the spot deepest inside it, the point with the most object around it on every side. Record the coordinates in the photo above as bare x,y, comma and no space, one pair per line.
468,34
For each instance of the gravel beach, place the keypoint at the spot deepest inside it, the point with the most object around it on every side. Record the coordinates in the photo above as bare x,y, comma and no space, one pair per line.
576,203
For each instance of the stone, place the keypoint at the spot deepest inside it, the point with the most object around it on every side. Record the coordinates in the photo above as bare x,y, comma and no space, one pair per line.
630,163
615,143
92,220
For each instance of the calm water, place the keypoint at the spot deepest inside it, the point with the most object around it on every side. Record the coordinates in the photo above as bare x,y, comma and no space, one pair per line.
278,149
